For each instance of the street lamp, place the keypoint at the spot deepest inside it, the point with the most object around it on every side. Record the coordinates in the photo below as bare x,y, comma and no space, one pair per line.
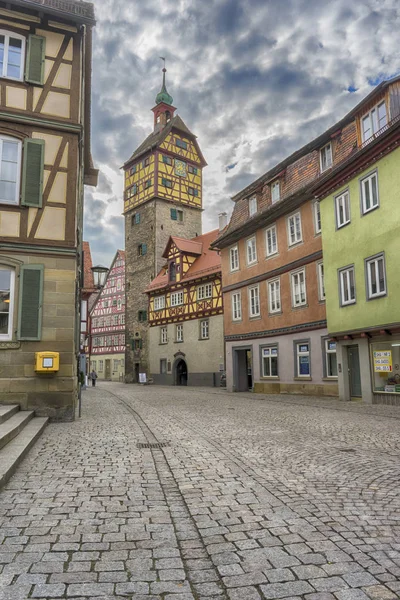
99,275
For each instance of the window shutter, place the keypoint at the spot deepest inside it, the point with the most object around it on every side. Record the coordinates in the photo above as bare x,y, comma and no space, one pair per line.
137,218
32,173
144,249
174,216
30,302
34,70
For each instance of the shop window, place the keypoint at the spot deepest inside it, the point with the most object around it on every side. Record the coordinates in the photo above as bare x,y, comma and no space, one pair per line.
331,358
303,364
385,361
269,361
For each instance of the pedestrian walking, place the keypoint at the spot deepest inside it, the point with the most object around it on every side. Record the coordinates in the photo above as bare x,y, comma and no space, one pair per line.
93,377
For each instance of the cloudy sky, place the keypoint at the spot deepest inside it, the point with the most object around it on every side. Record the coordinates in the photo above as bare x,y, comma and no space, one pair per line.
253,79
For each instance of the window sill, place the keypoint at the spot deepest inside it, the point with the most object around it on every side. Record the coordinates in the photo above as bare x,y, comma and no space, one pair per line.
303,378
364,213
252,264
204,339
254,318
274,255
377,296
295,244
163,344
178,342
270,378
275,314
332,379
300,307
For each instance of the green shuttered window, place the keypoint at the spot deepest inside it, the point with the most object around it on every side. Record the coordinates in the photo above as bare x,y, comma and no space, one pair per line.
174,215
30,302
32,174
34,72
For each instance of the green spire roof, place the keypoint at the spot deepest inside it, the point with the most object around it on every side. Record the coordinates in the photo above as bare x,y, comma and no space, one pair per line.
163,95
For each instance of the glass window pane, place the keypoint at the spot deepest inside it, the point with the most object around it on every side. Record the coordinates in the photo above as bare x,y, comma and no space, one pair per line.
5,280
374,191
367,199
274,366
7,191
8,171
10,151
381,275
304,365
332,364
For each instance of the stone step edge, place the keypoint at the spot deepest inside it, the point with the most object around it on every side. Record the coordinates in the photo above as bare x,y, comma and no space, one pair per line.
13,454
14,425
7,411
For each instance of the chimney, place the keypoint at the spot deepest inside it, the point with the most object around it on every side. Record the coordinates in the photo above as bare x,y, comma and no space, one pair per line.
223,220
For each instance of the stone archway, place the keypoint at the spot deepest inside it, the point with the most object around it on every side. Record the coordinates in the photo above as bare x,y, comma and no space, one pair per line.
180,372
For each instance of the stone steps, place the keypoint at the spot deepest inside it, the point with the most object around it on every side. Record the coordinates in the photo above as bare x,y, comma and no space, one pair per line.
19,430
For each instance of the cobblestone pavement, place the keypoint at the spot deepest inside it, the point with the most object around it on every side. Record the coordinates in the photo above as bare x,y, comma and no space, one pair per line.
252,498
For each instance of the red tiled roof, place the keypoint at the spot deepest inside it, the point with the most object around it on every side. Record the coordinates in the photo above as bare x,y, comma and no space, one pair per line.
207,263
88,282
184,245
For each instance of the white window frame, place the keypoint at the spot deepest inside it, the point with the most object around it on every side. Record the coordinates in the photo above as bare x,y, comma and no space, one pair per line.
176,298
164,335
179,332
329,352
267,354
297,229
344,277
271,235
342,201
7,138
234,258
274,296
236,302
275,195
317,217
252,206
325,162
299,354
254,301
204,329
368,180
375,123
16,36
204,291
372,266
8,336
321,282
159,302
298,280
251,251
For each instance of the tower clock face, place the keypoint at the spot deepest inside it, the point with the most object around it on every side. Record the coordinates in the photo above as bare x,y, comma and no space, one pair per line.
180,168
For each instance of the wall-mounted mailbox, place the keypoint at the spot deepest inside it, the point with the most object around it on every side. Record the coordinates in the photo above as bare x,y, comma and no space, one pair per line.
47,362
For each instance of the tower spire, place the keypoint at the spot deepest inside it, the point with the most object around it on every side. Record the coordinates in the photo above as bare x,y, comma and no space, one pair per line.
163,95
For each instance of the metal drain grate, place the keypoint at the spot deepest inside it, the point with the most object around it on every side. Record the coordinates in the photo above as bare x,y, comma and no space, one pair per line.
152,445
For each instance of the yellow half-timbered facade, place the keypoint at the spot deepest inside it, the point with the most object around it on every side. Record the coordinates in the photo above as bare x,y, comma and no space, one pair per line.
45,162
162,198
185,310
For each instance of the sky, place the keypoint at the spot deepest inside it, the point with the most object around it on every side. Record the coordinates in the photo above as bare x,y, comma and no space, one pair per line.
253,79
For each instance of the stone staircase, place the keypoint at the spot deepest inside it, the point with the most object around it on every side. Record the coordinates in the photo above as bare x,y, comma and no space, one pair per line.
19,430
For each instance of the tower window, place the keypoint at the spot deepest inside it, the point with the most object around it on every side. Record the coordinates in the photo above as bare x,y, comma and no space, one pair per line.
166,182
166,159
193,170
135,220
167,116
142,316
176,214
132,170
146,162
147,184
181,144
142,249
193,191
158,120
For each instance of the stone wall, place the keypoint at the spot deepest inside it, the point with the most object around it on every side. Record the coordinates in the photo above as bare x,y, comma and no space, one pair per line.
49,395
154,230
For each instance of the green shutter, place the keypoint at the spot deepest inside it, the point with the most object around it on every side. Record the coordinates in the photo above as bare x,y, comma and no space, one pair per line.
174,215
34,70
32,173
30,302
144,249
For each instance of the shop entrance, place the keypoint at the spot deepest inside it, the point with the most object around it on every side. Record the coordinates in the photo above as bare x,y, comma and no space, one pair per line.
181,372
354,372
243,369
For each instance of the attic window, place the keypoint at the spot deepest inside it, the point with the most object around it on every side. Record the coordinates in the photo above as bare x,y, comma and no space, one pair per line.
325,157
172,271
181,144
252,206
275,192
146,162
373,121
132,170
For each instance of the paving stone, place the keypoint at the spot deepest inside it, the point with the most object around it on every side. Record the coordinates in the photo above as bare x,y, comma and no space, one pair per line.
360,579
245,593
43,590
353,594
380,592
283,590
329,584
279,575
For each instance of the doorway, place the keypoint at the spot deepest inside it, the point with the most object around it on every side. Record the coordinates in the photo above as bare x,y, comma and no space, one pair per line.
354,372
243,369
181,372
136,379
107,373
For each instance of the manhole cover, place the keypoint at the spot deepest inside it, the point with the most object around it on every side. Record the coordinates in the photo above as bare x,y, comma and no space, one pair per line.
152,445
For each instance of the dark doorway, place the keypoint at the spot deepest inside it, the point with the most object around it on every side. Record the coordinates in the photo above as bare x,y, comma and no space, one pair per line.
354,372
136,379
243,369
181,376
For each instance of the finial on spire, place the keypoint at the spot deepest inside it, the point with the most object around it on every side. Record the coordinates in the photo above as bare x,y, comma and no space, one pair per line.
163,95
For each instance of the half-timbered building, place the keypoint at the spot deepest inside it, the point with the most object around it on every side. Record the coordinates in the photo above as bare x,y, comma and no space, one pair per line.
163,197
107,324
45,76
186,314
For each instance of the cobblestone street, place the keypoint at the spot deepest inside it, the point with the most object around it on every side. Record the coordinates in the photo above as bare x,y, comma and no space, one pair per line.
248,498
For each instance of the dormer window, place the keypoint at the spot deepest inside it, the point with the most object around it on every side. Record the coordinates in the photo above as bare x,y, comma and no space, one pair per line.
172,271
275,192
181,144
12,51
373,121
252,206
325,157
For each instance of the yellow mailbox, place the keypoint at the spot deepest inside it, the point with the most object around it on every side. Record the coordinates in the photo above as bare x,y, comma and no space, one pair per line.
47,362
